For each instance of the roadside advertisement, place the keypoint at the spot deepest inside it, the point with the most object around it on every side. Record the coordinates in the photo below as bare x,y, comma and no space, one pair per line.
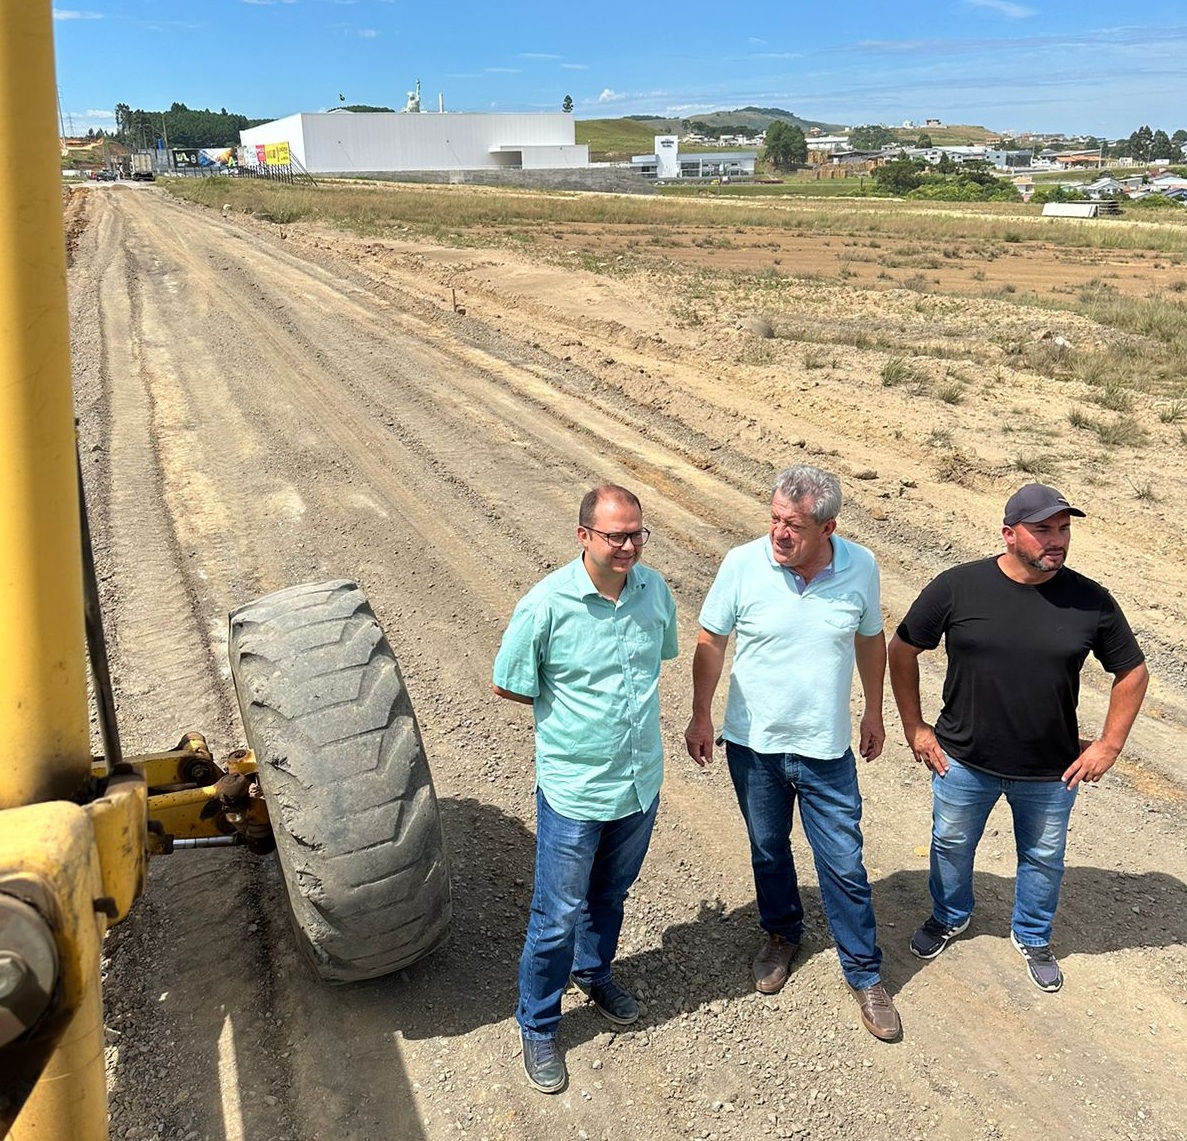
210,159
272,154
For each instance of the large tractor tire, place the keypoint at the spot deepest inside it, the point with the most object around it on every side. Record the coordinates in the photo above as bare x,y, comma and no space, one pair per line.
345,778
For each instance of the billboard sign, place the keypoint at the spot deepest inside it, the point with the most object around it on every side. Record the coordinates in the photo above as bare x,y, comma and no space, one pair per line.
272,154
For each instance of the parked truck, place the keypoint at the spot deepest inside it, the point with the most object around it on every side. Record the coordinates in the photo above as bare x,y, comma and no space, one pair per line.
142,166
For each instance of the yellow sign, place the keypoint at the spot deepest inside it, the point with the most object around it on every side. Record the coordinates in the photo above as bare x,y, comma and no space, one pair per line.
276,154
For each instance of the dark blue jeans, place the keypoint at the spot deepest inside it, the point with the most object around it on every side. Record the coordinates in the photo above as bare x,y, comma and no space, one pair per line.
768,785
584,869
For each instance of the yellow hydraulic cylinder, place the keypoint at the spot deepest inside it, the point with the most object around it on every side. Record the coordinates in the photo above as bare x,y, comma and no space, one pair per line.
43,710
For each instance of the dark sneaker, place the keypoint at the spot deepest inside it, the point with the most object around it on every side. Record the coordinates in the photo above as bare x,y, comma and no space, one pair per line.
934,936
878,1015
615,1003
772,964
543,1064
1040,965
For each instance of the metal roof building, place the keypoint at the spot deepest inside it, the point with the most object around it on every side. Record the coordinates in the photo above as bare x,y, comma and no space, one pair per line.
347,142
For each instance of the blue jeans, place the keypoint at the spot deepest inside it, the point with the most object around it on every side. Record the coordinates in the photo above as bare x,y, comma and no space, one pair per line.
961,803
584,869
767,785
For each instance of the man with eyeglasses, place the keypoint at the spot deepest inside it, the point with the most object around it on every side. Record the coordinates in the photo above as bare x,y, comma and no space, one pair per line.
584,648
804,604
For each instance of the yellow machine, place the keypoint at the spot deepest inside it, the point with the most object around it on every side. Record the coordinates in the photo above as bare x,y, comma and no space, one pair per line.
76,831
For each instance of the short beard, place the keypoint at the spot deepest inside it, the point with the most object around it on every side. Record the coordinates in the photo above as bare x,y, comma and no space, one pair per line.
1039,561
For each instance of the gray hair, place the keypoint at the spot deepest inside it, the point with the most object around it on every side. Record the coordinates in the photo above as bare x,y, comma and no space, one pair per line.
804,484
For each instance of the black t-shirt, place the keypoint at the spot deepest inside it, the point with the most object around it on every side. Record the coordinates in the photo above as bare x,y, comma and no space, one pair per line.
1014,658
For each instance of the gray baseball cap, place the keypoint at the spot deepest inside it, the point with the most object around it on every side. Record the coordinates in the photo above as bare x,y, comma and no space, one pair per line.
1034,503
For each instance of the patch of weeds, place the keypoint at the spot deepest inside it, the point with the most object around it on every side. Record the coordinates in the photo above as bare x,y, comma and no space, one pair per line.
1173,412
938,438
1078,418
950,392
917,282
1112,396
1034,463
956,467
1048,358
1144,491
978,275
1011,236
815,358
1122,432
896,371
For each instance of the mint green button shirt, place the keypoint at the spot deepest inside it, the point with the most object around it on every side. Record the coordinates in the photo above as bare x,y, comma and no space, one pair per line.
591,667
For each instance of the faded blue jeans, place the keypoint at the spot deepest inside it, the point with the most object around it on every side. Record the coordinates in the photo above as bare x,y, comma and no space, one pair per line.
584,869
768,785
961,803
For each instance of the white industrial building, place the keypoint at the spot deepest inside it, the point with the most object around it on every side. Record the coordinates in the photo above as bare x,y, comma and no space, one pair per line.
668,163
348,142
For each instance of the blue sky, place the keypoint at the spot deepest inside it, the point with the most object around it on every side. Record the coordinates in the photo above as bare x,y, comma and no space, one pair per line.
1076,66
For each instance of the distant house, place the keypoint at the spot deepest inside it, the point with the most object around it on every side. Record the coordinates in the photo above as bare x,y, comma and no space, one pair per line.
1102,188
1005,160
935,155
1078,160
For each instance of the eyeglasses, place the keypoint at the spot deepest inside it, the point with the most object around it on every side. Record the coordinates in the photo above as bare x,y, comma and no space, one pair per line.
619,538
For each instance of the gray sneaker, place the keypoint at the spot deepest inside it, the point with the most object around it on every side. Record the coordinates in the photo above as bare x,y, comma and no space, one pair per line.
543,1064
1040,965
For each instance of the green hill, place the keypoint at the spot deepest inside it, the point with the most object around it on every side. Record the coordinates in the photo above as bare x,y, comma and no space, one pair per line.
612,140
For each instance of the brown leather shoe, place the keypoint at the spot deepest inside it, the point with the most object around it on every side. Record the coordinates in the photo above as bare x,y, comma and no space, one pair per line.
771,964
878,1015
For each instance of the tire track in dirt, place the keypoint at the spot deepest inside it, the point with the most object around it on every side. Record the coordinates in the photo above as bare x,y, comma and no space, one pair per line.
319,425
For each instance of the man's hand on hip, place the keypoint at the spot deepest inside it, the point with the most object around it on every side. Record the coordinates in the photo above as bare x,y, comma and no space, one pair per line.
1092,764
927,750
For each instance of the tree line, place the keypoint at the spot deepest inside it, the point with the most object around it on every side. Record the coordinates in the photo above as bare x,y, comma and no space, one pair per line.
180,126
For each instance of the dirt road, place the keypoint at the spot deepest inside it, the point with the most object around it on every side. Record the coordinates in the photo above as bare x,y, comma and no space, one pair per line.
261,407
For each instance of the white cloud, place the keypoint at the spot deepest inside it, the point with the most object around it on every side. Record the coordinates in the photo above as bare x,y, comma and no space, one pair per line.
1005,7
99,114
575,67
67,14
502,70
537,55
609,96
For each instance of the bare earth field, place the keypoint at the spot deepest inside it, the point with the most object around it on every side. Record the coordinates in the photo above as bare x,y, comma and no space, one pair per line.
263,405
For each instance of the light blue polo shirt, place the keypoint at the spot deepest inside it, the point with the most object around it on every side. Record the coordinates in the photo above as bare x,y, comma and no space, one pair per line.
793,658
592,668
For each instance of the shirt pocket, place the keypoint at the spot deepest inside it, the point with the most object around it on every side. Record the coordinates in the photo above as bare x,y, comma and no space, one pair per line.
644,638
842,614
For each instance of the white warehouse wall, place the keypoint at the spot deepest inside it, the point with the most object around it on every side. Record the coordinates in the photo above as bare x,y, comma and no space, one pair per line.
350,142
